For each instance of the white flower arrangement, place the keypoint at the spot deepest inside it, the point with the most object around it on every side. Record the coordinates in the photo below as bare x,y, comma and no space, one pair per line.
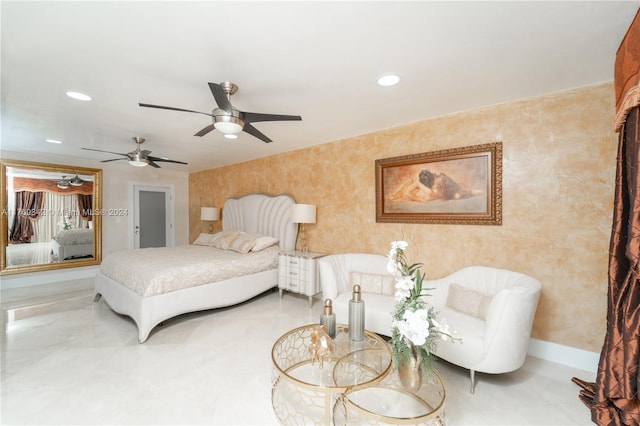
65,223
416,331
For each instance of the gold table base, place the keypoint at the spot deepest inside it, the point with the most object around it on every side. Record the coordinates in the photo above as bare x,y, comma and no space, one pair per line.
303,392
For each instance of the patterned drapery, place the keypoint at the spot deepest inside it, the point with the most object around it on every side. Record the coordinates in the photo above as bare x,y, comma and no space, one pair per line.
28,208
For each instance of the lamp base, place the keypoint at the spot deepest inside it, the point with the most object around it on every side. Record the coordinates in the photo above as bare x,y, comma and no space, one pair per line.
303,240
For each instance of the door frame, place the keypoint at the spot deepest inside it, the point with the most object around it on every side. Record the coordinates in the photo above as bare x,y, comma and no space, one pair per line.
170,212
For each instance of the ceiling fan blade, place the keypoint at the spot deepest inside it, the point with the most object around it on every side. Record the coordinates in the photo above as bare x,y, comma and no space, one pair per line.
108,152
173,109
145,153
165,160
114,159
255,132
221,97
206,130
253,117
152,164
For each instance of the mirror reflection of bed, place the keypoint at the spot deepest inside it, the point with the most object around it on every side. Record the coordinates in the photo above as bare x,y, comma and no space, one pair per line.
49,217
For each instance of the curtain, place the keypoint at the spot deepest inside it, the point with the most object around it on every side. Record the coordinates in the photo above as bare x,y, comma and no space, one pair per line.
613,398
85,207
28,207
56,210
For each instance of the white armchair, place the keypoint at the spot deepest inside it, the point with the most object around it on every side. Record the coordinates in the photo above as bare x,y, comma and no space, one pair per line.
337,275
490,309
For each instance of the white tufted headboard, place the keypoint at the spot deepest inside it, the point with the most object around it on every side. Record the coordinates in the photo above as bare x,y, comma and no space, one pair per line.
265,214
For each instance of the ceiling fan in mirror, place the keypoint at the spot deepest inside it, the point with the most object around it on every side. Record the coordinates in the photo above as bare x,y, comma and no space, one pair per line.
66,182
229,120
139,157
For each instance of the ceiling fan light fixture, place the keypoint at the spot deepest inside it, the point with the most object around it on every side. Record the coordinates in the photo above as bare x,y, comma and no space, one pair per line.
227,127
137,160
138,163
63,184
231,136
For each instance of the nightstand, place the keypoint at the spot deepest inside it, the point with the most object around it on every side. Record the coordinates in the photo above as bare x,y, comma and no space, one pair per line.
298,273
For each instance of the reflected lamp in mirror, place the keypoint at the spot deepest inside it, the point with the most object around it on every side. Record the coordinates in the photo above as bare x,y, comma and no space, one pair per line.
302,214
209,214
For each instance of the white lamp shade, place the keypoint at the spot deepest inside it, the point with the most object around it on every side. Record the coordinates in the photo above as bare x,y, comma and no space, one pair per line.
303,213
209,213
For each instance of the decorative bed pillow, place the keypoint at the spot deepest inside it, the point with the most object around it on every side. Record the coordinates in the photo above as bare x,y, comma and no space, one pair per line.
204,239
223,238
262,241
242,244
468,301
373,283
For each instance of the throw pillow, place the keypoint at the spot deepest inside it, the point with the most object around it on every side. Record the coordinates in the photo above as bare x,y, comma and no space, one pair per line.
468,301
373,283
242,244
262,241
204,239
224,238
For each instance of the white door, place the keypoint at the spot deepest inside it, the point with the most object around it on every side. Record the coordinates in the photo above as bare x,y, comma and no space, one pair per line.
152,216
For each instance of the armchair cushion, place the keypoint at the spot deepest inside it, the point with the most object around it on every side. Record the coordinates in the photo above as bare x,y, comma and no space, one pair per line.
373,283
468,301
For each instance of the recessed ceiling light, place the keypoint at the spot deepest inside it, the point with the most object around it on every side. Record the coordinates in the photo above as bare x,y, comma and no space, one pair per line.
52,141
79,96
388,80
231,136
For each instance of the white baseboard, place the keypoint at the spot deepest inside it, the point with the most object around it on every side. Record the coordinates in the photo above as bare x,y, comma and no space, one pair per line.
40,278
566,355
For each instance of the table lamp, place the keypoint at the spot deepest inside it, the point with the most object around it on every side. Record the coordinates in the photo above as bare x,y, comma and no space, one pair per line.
209,214
303,213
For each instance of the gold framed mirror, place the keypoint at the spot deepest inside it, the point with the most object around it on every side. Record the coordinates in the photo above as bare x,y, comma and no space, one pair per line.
51,216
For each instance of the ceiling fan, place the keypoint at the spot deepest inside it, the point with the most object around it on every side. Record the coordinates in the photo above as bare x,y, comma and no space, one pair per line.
138,158
229,120
65,181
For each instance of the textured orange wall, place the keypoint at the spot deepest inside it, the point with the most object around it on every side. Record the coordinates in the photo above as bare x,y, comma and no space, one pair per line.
559,156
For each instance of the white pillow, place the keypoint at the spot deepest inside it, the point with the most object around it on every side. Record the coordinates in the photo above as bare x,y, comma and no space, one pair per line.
242,244
204,239
373,283
262,241
468,301
222,239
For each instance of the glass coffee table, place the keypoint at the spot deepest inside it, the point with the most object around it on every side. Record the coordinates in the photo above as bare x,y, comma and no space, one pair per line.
304,392
388,402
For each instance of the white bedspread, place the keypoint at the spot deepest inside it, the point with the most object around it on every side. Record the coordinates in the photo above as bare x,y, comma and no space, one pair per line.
153,271
71,237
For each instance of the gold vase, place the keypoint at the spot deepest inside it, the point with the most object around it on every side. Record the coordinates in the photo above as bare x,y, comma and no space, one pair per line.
409,372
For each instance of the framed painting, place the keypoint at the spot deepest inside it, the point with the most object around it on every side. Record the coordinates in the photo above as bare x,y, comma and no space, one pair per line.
453,186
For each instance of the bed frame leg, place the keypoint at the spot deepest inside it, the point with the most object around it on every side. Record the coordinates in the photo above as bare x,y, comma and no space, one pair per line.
97,297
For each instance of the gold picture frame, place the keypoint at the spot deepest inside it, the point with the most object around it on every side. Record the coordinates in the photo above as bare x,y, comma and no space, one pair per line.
454,186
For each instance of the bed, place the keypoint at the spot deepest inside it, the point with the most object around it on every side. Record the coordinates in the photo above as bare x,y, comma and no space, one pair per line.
166,294
72,243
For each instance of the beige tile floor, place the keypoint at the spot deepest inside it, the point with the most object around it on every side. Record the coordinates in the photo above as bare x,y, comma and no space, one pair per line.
67,360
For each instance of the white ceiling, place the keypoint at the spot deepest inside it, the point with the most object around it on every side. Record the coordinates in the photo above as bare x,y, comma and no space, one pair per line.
315,59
